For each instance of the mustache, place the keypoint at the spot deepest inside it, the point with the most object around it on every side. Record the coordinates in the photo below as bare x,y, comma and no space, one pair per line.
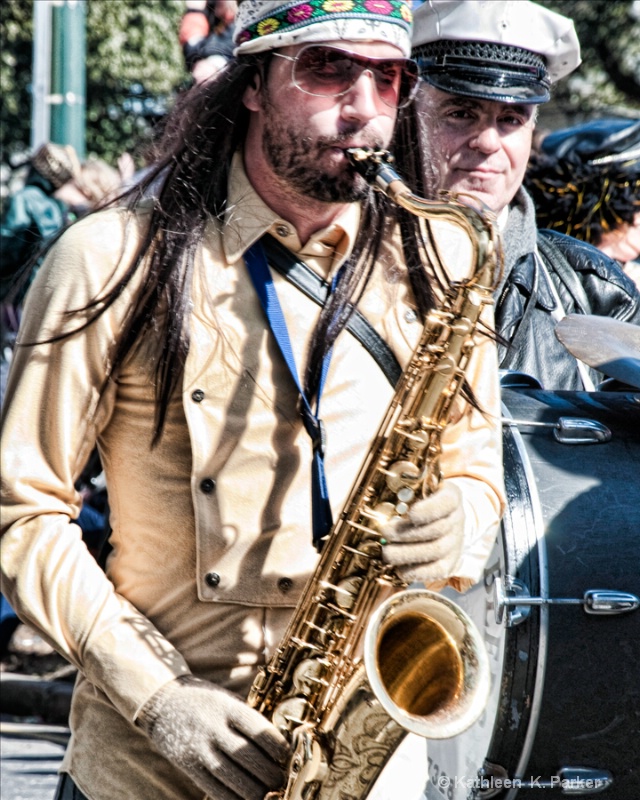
364,139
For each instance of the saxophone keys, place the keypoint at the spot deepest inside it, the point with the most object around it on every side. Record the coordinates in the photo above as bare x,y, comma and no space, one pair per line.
341,612
347,592
401,474
363,554
307,768
462,327
304,644
378,515
437,316
446,366
370,531
309,676
419,438
292,712
406,495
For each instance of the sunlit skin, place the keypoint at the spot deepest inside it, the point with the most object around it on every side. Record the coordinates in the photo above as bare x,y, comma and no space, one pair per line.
622,243
226,10
481,146
295,148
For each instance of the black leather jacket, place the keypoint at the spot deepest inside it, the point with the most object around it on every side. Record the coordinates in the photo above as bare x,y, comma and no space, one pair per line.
587,282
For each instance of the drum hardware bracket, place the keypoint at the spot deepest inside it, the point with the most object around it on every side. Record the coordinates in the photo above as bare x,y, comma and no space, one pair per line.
512,601
574,781
569,430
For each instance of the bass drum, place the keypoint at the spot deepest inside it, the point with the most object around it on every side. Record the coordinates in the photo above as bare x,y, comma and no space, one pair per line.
564,712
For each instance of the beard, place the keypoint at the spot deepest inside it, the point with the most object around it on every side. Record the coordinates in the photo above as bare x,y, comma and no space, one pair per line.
297,161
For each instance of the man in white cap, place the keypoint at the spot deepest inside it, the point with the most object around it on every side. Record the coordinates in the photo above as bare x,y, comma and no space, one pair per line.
145,332
487,67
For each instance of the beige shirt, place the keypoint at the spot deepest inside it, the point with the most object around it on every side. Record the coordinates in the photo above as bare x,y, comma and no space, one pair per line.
226,491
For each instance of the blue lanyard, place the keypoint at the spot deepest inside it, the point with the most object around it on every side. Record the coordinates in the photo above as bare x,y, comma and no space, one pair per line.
260,273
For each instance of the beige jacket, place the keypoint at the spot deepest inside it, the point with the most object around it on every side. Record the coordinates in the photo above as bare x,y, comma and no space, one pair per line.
226,491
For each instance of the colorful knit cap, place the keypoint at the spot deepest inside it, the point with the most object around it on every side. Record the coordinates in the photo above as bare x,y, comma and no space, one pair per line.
268,25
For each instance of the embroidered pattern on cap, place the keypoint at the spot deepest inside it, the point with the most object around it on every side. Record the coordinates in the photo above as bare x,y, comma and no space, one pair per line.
297,15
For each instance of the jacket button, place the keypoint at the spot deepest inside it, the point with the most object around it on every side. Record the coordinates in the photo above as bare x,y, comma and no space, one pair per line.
212,579
285,585
207,485
197,396
410,315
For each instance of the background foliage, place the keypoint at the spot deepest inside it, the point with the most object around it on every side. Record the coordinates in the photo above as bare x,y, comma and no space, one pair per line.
607,83
15,75
134,67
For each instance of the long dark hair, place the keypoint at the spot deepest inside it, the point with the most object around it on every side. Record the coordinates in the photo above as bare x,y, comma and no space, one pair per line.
188,184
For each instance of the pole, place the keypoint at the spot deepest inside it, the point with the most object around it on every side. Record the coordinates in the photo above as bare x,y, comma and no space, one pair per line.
68,74
41,109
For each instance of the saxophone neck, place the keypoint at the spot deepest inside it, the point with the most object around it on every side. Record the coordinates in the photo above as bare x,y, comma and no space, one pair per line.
375,167
465,211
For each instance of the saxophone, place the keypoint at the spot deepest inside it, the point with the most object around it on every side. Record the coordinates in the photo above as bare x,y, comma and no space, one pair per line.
364,659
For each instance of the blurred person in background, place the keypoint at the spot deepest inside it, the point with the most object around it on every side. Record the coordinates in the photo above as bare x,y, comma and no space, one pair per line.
35,212
487,67
58,189
585,182
206,36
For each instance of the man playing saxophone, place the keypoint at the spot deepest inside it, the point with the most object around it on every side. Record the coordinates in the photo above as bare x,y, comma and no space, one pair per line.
155,329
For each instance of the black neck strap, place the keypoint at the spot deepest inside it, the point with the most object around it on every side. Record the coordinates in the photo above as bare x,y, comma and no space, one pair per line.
314,287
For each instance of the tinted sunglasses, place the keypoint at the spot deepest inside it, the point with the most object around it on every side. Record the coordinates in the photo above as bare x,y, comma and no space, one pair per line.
331,72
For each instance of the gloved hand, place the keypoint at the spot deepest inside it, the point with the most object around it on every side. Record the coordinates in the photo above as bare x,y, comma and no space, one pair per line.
228,749
426,544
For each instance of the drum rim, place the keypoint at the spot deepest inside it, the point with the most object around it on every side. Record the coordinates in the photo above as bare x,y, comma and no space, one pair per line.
512,432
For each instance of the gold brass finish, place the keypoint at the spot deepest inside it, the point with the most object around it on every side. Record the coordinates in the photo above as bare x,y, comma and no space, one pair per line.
364,659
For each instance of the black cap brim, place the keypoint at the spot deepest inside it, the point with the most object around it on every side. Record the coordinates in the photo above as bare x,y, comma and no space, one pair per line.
501,83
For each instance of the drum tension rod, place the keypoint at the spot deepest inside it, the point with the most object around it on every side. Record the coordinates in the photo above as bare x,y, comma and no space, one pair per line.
514,594
568,430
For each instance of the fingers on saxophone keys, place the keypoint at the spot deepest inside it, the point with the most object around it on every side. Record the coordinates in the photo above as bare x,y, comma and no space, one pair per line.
213,787
408,554
428,518
230,782
440,504
404,532
424,573
245,770
255,728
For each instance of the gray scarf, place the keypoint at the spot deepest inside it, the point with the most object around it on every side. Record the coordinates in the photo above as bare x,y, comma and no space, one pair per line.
519,235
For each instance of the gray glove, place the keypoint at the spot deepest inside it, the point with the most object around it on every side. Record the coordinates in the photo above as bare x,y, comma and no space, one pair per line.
427,544
228,749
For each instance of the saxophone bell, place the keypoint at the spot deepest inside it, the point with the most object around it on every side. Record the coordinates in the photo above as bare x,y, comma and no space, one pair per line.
426,664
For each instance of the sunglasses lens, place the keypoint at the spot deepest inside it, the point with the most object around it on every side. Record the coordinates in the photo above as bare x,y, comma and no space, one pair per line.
330,72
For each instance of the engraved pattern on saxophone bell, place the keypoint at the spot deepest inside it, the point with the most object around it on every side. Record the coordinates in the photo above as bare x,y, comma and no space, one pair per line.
364,659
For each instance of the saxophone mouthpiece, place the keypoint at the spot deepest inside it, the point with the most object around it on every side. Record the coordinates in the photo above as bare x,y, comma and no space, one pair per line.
375,167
